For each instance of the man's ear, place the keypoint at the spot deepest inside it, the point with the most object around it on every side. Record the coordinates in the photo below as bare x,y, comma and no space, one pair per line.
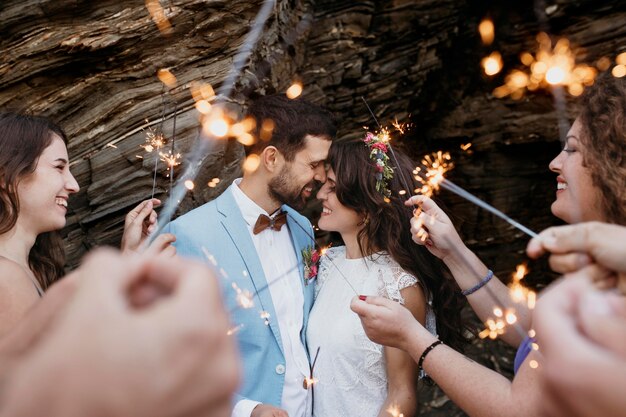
272,159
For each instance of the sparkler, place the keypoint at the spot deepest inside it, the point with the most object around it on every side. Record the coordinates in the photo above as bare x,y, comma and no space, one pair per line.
206,141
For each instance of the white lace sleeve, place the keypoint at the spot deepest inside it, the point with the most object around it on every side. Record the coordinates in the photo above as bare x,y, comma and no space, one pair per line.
393,279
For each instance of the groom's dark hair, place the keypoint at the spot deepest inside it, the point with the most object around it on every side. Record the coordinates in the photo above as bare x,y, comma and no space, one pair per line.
284,123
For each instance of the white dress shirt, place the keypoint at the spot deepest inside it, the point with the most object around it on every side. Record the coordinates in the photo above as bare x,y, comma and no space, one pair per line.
280,265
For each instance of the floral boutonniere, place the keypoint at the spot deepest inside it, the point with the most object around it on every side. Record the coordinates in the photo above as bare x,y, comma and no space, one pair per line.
311,258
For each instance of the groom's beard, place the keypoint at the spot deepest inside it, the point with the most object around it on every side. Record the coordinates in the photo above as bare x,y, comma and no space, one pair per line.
285,192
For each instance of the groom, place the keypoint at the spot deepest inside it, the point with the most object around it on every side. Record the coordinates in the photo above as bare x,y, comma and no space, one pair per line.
255,238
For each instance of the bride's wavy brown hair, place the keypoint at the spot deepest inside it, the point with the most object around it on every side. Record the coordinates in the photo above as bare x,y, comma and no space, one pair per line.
23,139
388,229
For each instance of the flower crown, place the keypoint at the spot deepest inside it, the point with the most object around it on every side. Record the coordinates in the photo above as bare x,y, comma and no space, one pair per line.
378,154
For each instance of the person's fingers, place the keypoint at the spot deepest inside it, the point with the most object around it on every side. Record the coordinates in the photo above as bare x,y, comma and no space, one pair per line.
161,244
569,262
370,306
426,203
601,323
193,285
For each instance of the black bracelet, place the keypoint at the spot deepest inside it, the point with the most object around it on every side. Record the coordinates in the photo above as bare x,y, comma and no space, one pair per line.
426,352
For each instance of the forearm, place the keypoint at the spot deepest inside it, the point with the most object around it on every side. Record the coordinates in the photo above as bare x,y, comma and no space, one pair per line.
479,391
491,295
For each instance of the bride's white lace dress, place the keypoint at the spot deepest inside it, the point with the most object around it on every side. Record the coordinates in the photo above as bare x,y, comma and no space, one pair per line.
350,369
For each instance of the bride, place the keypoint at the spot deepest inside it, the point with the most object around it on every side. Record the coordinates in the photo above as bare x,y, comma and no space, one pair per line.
361,200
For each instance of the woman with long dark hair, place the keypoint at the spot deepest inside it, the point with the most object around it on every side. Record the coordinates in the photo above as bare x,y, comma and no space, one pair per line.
35,186
362,201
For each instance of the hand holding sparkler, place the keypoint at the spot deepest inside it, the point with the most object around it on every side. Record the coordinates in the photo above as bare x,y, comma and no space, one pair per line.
140,222
431,226
574,247
389,323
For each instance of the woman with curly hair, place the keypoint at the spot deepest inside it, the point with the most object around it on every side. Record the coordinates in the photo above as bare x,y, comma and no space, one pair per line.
361,200
591,186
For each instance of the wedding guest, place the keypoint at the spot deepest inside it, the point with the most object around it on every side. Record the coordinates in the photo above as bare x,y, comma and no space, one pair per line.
35,186
599,134
591,185
361,201
166,354
254,234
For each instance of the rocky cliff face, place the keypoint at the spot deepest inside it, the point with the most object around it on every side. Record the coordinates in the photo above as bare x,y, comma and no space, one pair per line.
91,66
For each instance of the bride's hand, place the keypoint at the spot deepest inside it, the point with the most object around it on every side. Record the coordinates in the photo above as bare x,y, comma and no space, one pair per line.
432,227
386,322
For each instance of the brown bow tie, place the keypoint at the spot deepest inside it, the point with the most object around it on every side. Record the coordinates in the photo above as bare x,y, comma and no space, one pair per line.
274,223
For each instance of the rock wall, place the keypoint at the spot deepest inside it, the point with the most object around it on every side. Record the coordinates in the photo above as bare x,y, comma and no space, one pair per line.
91,66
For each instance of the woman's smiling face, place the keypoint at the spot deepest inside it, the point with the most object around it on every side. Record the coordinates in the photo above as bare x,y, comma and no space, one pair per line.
577,199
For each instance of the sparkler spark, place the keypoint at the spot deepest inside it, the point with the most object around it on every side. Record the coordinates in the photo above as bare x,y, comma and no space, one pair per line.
213,183
518,292
172,160
487,31
265,316
394,411
251,163
548,67
158,16
309,382
234,330
243,297
433,168
492,64
294,91
166,77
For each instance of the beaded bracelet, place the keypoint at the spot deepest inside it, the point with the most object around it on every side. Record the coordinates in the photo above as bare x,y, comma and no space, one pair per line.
478,286
426,352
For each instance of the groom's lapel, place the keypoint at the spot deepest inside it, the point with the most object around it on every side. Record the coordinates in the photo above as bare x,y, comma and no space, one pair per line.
235,226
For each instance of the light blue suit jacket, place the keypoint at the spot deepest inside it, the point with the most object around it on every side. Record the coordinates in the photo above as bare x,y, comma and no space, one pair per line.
220,229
